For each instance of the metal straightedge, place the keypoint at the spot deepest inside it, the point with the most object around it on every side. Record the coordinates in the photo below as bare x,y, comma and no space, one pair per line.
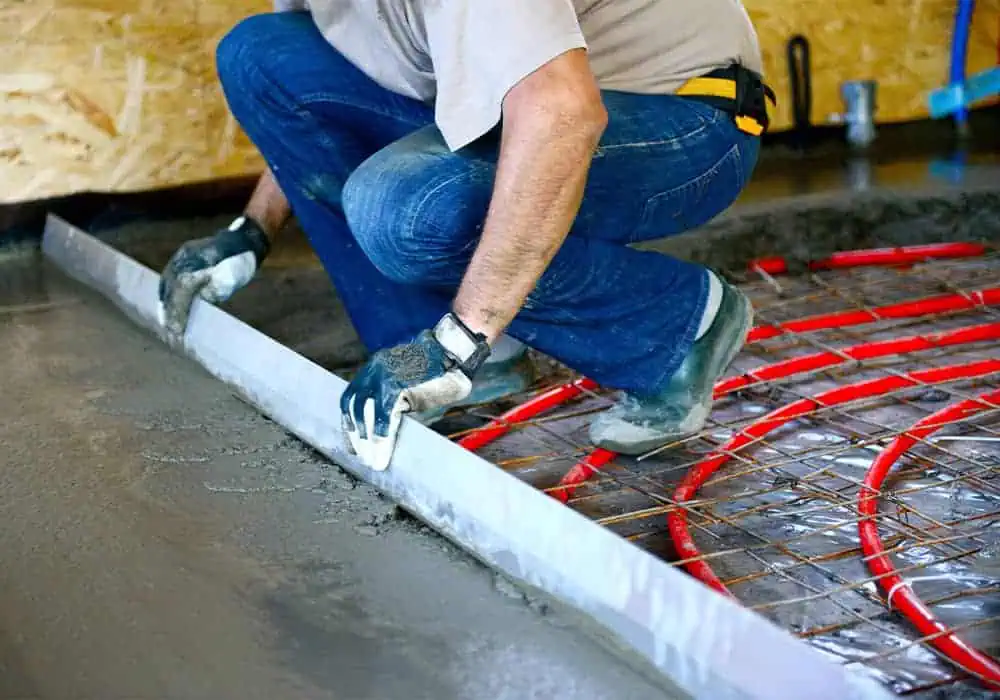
702,642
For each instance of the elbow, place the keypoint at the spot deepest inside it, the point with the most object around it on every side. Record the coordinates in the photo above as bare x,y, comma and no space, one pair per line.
580,114
559,115
594,116
561,100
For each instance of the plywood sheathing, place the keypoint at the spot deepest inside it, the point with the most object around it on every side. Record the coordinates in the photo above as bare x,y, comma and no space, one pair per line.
905,45
116,96
103,95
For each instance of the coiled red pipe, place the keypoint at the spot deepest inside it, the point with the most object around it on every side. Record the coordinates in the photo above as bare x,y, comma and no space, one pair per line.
584,470
898,592
911,606
677,518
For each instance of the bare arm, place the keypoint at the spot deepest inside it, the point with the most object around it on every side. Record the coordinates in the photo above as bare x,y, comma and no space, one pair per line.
268,206
552,124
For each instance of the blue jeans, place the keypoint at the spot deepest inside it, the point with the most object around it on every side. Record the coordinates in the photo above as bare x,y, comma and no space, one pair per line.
394,216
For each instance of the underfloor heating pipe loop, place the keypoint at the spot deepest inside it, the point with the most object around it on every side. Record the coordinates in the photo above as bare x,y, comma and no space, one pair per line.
959,56
905,255
899,595
986,332
677,522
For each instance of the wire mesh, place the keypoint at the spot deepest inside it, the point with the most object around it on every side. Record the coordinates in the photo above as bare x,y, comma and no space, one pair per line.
776,522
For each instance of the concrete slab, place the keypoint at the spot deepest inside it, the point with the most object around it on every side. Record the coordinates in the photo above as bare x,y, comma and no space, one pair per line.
163,540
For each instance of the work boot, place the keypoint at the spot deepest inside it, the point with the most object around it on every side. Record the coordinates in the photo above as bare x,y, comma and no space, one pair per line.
638,424
508,371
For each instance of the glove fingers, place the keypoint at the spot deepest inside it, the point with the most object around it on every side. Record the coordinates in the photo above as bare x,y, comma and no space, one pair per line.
346,406
382,444
361,400
371,424
359,436
178,295
229,276
413,377
387,404
354,442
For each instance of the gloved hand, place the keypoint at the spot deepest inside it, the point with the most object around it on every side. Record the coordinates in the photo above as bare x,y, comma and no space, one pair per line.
214,268
433,371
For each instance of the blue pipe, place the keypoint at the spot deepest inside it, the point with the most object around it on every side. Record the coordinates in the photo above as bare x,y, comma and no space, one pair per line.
959,53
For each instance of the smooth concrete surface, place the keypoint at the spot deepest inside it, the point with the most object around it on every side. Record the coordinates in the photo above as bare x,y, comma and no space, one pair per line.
163,540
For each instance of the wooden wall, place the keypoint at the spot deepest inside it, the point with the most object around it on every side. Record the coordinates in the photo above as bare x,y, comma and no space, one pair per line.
121,95
115,95
903,44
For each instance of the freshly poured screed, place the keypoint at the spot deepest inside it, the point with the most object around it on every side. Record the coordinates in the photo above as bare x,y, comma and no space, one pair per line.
163,539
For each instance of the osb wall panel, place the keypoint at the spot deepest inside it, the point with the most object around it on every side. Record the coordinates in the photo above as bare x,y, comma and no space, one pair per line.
121,95
903,44
115,95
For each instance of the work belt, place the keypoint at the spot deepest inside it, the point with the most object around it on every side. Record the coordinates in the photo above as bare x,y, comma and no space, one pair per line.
736,90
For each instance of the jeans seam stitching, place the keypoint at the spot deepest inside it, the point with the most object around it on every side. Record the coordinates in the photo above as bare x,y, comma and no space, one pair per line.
662,142
741,176
331,98
701,178
703,125
690,183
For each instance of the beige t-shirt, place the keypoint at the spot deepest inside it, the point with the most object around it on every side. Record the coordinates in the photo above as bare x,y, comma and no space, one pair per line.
465,55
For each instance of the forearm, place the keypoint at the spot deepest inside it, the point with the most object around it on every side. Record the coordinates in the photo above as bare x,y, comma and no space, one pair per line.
268,205
541,174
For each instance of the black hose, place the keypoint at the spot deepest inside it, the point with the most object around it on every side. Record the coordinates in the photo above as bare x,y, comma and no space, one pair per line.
800,80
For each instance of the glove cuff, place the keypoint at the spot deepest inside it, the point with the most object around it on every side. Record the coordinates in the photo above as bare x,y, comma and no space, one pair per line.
469,350
252,232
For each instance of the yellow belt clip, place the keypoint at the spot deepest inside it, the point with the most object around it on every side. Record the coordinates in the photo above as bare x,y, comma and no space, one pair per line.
725,89
749,125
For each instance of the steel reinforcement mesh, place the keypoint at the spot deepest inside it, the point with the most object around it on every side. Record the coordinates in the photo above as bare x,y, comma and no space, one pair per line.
847,485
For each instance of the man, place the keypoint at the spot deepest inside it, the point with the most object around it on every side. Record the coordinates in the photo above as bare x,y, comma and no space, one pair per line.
470,173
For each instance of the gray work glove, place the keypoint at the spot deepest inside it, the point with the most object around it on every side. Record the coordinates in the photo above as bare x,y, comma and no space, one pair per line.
214,268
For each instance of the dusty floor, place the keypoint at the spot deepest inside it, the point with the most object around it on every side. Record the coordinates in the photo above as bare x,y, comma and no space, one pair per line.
163,540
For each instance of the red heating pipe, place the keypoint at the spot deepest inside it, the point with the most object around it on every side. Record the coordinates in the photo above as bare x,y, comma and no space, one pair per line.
787,368
863,351
581,472
700,473
904,255
920,307
537,405
560,395
898,592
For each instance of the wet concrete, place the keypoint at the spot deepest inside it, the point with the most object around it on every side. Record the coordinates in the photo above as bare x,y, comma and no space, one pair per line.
161,539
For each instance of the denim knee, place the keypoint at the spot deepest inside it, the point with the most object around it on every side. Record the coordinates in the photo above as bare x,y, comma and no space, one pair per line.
417,217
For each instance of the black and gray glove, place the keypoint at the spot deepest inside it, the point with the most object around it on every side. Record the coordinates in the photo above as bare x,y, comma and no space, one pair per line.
432,371
214,268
